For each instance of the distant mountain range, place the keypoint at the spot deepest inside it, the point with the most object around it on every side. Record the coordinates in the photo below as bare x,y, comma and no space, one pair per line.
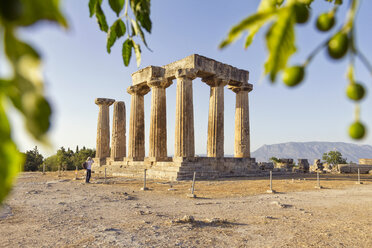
312,150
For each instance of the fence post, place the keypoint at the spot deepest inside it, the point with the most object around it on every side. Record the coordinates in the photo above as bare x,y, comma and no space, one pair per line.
144,180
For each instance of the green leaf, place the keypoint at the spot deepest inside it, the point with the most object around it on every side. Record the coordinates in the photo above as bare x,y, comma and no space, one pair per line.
249,23
10,158
38,114
138,31
120,28
116,31
11,162
280,41
116,6
15,49
137,51
253,23
127,51
101,18
92,7
37,10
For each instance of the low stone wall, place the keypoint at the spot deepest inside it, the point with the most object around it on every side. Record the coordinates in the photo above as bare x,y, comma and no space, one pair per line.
365,161
181,168
353,168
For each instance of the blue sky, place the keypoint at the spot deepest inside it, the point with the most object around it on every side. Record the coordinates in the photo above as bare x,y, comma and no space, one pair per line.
78,69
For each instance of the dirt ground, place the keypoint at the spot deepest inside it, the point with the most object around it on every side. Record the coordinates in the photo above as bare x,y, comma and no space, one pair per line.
51,211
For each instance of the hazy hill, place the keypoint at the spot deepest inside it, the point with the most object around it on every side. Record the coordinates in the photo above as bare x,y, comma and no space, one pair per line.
311,151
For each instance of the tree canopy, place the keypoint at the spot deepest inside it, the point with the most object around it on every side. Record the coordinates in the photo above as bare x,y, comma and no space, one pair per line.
333,158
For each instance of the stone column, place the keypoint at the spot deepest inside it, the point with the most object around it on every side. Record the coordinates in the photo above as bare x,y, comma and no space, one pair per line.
158,119
136,142
215,143
242,136
118,140
103,127
184,137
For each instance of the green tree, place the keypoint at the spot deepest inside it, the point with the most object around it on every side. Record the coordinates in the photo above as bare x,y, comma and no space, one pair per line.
51,163
333,158
65,159
82,156
33,160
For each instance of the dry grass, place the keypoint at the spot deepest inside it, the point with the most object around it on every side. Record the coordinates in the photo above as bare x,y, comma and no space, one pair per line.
230,187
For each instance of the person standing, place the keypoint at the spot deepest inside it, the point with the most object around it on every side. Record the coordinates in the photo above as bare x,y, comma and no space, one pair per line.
89,163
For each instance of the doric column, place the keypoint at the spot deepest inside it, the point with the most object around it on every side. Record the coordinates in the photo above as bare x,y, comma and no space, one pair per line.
215,143
184,137
158,119
103,127
136,143
118,140
242,137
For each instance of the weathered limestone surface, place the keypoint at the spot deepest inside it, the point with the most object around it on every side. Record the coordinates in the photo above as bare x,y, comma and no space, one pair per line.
184,163
136,144
242,137
215,142
118,140
184,130
303,165
353,168
365,161
103,127
158,118
204,67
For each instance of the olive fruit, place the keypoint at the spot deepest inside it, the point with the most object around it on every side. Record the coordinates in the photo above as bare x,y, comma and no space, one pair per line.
302,13
338,45
325,22
293,75
355,91
357,130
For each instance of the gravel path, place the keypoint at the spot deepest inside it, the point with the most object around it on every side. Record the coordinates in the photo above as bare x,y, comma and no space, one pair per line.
46,211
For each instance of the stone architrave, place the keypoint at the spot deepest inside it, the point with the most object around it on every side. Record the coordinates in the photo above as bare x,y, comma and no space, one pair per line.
118,140
103,127
242,137
158,119
184,128
136,144
215,142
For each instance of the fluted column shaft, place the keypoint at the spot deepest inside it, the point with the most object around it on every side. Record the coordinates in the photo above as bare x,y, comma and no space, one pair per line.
136,144
158,119
184,128
242,135
118,140
103,128
215,143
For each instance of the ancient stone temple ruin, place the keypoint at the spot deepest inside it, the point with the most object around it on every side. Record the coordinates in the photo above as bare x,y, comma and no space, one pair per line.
132,161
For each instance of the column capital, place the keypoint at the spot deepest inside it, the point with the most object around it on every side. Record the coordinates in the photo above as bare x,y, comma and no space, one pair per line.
104,101
242,87
215,81
186,73
139,89
160,83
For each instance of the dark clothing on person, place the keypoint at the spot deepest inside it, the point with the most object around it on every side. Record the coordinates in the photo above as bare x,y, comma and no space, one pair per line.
89,173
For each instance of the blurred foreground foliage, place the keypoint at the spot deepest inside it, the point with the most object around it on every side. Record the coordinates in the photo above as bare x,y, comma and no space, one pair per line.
23,87
281,17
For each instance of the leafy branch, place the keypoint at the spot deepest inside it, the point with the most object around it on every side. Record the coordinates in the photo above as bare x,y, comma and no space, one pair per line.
282,17
134,22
